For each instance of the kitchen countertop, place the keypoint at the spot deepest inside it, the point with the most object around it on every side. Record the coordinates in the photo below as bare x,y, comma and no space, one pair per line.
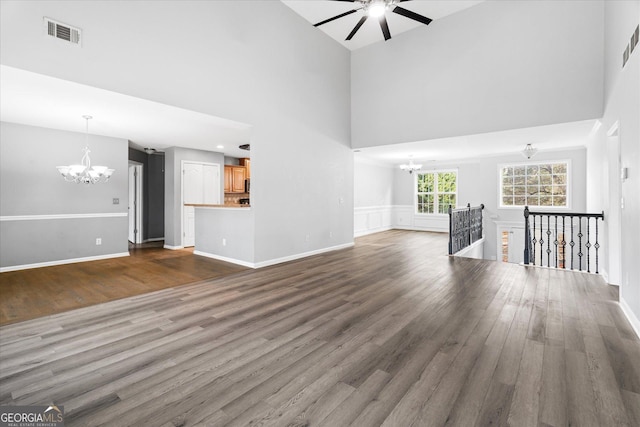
226,205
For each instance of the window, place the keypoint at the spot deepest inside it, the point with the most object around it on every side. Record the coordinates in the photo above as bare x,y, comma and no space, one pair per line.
436,191
534,184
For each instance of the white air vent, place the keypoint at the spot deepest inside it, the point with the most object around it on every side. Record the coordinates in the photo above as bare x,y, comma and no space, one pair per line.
62,31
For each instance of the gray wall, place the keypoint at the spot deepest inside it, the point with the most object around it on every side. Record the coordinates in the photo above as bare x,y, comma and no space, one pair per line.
213,225
495,66
31,186
174,157
255,62
152,193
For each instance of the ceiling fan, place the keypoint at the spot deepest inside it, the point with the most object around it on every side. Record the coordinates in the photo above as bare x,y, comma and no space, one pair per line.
377,9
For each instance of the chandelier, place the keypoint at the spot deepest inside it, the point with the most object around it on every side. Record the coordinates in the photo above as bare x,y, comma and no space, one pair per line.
411,166
529,151
84,173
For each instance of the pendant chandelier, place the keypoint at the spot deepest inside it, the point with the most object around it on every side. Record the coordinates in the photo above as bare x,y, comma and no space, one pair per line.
84,173
411,166
529,151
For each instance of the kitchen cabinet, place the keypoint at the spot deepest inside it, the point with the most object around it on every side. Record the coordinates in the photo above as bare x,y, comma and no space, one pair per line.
247,164
234,177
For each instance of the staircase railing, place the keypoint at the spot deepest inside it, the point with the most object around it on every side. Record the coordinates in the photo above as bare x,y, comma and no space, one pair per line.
465,227
547,235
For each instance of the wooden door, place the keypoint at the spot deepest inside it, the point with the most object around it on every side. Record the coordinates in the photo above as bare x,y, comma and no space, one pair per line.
237,183
228,178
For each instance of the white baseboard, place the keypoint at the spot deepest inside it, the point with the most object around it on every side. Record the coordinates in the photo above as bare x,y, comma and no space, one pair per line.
275,260
62,262
173,248
302,255
635,322
371,231
225,259
155,239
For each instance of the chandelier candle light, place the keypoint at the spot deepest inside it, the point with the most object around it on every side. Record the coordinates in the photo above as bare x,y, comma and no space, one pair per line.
529,151
411,166
84,173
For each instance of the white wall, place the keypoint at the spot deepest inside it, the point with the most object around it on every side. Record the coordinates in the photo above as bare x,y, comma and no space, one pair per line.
44,219
478,182
495,66
255,62
373,196
622,105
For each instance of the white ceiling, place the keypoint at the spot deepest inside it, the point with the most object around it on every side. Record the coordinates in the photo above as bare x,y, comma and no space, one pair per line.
469,148
316,11
38,100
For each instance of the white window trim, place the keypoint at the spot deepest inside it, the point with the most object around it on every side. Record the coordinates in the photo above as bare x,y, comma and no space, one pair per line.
415,192
536,207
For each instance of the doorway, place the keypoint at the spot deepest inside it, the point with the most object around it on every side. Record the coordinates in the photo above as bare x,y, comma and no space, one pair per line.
135,202
615,200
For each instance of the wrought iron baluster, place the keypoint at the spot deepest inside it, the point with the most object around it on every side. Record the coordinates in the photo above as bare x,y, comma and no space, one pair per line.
580,243
555,241
541,242
564,245
588,245
548,240
534,241
597,245
572,243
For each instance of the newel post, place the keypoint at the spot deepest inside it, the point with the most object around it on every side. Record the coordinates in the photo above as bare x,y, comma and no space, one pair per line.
527,237
450,231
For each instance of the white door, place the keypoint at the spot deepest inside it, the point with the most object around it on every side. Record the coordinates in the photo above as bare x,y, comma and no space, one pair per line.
612,222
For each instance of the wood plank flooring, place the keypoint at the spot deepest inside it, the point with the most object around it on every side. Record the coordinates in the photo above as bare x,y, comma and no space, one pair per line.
33,293
391,332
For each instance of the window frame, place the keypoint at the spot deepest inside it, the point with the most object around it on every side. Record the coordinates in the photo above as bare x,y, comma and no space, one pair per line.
569,184
435,193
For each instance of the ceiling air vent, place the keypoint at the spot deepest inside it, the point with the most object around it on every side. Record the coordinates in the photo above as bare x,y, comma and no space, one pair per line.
245,147
62,31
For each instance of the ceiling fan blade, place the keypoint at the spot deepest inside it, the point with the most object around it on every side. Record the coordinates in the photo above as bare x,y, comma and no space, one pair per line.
385,27
335,17
411,15
357,27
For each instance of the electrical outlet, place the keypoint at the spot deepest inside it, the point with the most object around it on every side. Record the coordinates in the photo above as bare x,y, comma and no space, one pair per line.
224,242
98,241
306,238
330,234
116,201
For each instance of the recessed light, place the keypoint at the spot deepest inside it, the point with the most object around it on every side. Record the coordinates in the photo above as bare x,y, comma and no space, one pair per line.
220,146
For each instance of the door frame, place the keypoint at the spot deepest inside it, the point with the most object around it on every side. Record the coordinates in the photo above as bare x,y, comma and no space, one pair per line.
136,188
182,165
614,184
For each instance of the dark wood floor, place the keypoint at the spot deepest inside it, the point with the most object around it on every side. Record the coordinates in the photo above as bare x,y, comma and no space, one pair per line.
33,293
390,332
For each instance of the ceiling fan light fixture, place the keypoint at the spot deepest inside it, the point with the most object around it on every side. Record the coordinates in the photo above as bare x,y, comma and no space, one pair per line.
377,9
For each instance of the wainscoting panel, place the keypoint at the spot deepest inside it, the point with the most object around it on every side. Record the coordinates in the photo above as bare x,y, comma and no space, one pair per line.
373,219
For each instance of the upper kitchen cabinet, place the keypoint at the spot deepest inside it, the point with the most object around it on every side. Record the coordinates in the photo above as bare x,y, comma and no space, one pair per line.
234,179
246,162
